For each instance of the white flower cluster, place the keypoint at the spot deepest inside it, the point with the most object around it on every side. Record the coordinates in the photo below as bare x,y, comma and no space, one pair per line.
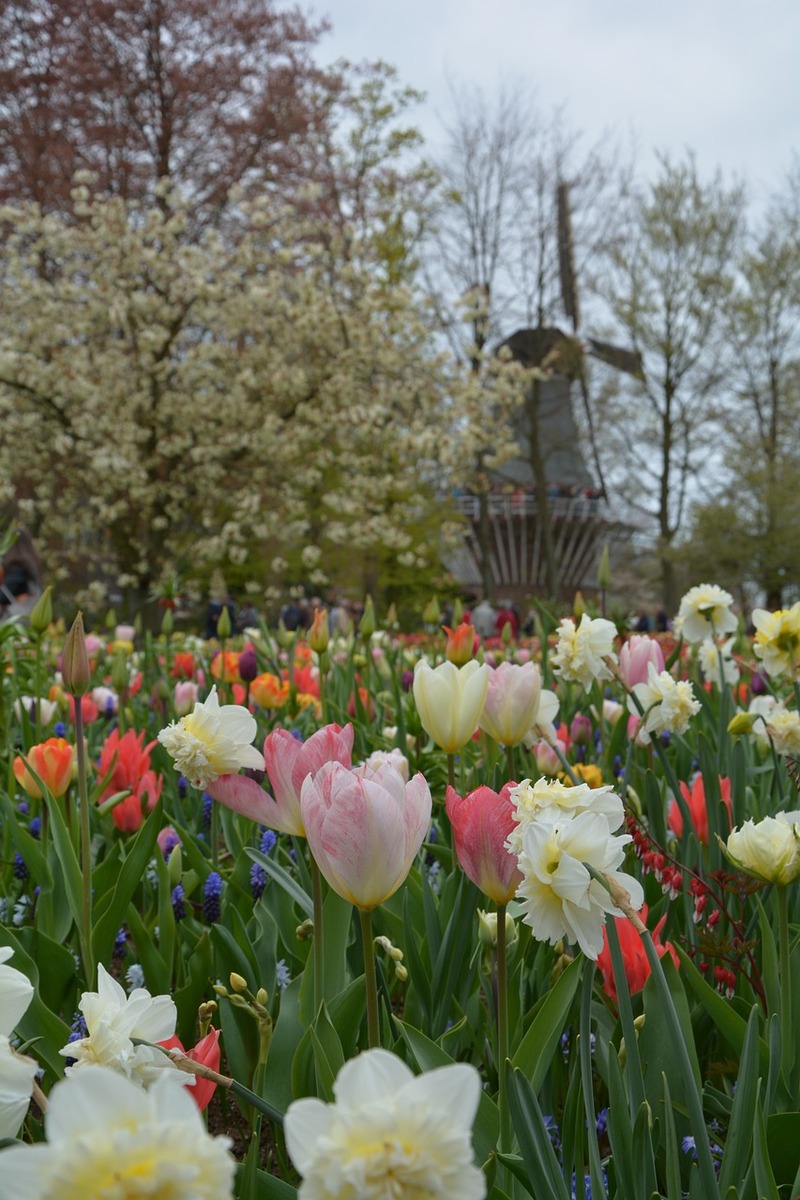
565,837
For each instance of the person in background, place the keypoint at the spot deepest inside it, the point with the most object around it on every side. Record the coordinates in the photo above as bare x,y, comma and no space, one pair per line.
20,578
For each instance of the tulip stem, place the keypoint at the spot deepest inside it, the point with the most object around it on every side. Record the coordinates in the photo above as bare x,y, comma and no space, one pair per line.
510,766
86,847
451,770
786,982
318,943
370,979
502,1029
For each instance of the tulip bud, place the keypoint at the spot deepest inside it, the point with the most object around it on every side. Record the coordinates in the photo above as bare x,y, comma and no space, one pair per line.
42,613
175,866
111,619
743,722
366,626
75,661
460,643
167,622
432,614
119,671
458,612
391,616
578,606
506,633
604,570
319,633
238,982
224,623
248,665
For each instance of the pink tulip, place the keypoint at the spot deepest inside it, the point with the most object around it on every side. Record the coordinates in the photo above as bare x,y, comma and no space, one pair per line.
364,832
482,821
187,694
512,702
635,657
287,762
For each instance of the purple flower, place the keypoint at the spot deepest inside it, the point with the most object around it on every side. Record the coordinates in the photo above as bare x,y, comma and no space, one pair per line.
212,893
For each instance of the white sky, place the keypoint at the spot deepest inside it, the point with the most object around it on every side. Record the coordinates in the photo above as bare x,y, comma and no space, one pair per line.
720,77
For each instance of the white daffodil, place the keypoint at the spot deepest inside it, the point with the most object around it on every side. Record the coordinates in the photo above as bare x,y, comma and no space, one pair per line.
777,639
560,898
667,704
705,611
113,1020
783,726
450,701
17,1074
212,740
709,656
16,993
389,1133
550,798
107,1137
581,652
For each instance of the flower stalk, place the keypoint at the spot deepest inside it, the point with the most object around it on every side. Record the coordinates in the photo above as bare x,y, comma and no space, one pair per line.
370,979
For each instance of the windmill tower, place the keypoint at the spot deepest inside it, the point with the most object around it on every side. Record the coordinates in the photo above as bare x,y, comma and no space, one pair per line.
547,515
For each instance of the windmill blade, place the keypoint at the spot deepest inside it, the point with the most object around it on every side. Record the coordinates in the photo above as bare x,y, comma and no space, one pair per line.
629,361
566,257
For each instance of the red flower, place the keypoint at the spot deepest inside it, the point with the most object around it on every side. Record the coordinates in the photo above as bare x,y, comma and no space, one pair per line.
131,772
182,665
461,643
89,710
207,1053
637,968
696,800
482,821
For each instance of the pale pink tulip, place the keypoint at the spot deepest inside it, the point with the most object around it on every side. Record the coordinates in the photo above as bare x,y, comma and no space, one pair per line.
635,657
187,694
364,833
512,702
287,762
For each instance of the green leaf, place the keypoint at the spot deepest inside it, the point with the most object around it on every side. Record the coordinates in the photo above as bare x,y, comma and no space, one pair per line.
156,972
534,1142
674,1191
783,1144
129,877
67,858
535,1052
283,879
739,1140
765,1180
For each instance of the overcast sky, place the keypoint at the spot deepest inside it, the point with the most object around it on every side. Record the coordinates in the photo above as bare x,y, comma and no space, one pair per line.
720,77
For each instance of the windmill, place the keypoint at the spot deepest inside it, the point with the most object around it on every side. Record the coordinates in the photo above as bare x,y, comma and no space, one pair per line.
548,511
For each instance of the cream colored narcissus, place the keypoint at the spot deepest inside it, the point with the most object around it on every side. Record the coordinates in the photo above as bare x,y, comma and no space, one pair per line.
450,701
388,1133
559,896
107,1137
583,652
17,1072
550,798
777,639
705,611
212,740
115,1023
664,704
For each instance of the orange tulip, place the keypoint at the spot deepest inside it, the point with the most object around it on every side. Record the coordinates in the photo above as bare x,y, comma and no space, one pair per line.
460,645
268,691
52,761
225,667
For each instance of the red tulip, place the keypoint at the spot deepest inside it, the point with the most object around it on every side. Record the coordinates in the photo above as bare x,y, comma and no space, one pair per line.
637,968
207,1053
131,772
460,645
696,800
482,821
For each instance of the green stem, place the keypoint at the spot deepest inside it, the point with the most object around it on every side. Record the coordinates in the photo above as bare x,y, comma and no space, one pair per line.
502,1029
574,780
510,765
370,979
786,983
451,770
318,942
694,1101
86,848
585,1055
